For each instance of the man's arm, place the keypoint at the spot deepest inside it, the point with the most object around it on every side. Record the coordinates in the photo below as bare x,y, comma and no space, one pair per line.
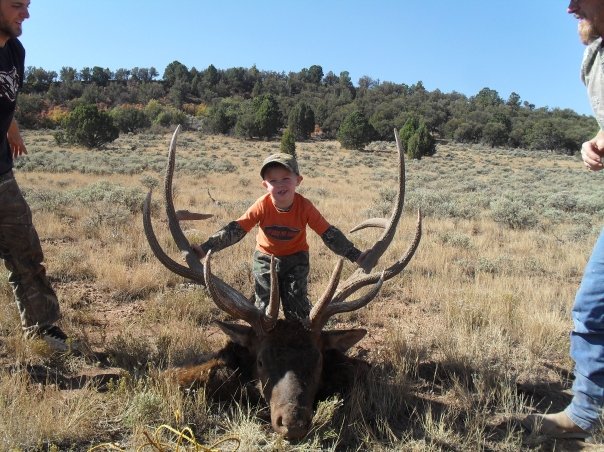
592,152
15,141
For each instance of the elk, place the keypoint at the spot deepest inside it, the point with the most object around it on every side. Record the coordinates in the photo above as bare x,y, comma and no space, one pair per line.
289,359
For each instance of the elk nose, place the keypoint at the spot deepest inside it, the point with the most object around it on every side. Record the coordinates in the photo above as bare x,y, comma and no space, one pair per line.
293,424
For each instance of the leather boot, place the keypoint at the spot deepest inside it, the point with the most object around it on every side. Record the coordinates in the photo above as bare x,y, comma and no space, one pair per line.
555,425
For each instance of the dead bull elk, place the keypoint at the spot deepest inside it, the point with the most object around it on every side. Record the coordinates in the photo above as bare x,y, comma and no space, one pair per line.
289,357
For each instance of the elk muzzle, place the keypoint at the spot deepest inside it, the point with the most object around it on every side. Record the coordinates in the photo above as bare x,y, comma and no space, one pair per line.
291,407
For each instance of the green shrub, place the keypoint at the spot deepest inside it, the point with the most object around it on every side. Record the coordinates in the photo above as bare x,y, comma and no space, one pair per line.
416,139
514,214
301,121
170,117
355,131
456,239
129,119
114,194
288,143
86,125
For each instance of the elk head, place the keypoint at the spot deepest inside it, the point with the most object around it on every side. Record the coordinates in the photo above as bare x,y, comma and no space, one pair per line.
288,354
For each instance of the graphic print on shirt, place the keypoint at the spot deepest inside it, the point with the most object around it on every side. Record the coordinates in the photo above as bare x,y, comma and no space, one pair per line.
277,232
9,83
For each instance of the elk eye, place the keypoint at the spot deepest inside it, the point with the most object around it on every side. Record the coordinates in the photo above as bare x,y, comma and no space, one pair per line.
259,363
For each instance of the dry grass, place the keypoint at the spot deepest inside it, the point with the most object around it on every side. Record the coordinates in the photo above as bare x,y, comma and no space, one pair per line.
474,333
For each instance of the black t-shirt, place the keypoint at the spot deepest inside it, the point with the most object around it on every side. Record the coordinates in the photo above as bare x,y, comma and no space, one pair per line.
12,64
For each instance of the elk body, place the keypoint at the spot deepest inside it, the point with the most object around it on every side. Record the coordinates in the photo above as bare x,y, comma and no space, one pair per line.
288,359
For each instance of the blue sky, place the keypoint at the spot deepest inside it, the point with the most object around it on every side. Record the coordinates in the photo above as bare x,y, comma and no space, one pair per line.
525,46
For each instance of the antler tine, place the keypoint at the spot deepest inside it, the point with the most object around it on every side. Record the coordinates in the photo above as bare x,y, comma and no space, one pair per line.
362,277
380,246
337,303
335,307
272,310
361,280
179,237
168,262
321,305
226,297
236,304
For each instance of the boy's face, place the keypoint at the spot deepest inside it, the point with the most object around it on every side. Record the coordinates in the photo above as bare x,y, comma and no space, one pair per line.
281,184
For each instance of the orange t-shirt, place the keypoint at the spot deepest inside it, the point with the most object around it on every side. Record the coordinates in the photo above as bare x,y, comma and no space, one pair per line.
282,233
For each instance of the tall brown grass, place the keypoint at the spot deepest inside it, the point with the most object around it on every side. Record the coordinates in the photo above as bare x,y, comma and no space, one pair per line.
473,334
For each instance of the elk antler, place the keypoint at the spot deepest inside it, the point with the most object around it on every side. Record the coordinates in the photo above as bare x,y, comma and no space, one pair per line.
333,302
227,298
260,321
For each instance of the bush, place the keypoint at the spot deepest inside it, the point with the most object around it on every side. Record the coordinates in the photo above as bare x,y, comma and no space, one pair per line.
86,125
301,121
153,109
514,214
56,115
416,139
413,148
288,143
130,119
408,130
355,131
222,117
170,117
30,111
113,194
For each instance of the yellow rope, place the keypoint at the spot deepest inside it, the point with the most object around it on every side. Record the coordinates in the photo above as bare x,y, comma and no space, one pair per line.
185,434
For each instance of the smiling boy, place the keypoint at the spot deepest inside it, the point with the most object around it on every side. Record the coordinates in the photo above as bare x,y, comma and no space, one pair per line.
282,216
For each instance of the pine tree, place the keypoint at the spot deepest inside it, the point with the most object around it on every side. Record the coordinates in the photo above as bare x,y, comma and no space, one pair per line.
301,121
288,143
355,131
88,126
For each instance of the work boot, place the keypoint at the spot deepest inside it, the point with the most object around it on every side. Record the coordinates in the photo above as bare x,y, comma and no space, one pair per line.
55,338
555,425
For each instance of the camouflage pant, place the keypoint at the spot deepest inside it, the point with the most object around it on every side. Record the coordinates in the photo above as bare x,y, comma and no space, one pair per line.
292,272
22,254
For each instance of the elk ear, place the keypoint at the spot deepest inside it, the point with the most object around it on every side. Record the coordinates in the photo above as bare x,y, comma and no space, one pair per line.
341,340
240,334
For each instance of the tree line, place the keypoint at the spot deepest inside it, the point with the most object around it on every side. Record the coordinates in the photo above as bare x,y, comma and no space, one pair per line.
251,103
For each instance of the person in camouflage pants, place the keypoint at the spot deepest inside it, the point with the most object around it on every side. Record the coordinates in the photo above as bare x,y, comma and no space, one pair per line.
282,216
22,254
19,243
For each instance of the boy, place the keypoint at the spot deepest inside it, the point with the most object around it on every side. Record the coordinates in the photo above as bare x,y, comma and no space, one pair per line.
282,216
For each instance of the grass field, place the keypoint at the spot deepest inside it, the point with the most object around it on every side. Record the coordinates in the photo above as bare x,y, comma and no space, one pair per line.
471,336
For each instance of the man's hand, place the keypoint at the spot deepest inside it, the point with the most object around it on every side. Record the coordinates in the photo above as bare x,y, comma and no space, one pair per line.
592,152
15,141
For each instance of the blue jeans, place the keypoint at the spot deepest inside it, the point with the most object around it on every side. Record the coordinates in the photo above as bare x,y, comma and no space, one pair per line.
587,343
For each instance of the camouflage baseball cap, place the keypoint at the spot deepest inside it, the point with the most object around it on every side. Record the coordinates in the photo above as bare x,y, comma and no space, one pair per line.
286,160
